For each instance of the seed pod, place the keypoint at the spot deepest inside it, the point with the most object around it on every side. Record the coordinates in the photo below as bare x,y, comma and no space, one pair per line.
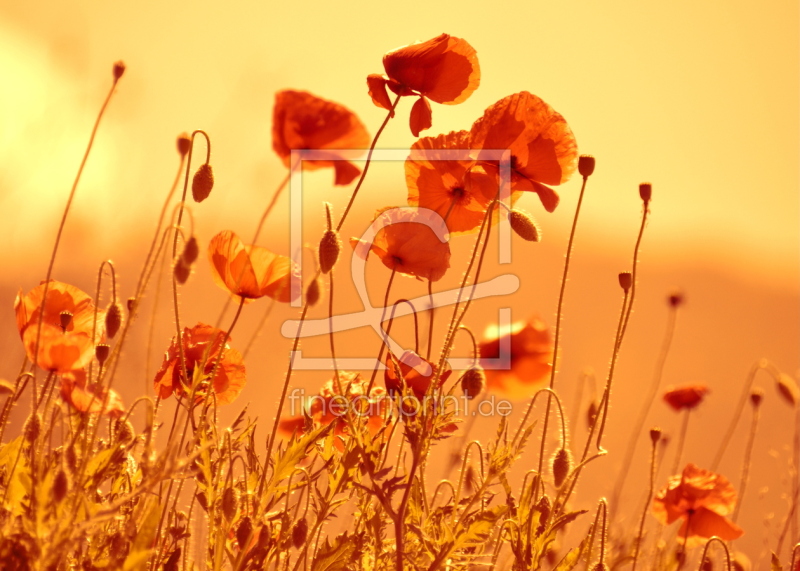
182,271
184,144
561,466
101,351
586,165
118,70
60,486
473,381
131,304
524,225
190,251
244,531
230,502
300,532
113,319
202,183
65,317
312,293
788,389
32,427
645,192
655,434
329,247
625,281
756,396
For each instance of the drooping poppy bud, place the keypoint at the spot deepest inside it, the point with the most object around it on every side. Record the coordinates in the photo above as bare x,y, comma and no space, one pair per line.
182,271
473,381
190,251
300,533
230,502
32,427
202,183
312,293
561,466
60,486
113,319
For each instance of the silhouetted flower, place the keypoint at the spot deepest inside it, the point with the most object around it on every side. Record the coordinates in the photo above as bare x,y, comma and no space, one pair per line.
413,371
685,397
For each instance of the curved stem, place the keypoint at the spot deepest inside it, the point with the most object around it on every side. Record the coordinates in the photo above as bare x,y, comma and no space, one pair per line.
271,205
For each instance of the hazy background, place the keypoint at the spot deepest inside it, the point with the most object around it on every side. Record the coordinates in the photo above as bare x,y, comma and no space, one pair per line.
700,100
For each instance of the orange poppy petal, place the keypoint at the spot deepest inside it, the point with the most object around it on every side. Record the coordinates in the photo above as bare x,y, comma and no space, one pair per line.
704,523
231,267
420,118
377,90
230,378
59,351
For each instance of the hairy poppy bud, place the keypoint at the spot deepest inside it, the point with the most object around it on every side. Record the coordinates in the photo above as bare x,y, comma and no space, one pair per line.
190,251
184,144
523,224
756,396
65,317
329,247
586,165
675,299
60,486
625,281
113,319
202,183
646,192
787,387
118,70
561,466
655,434
229,503
101,351
71,458
182,271
244,531
472,381
312,293
299,533
125,432
32,427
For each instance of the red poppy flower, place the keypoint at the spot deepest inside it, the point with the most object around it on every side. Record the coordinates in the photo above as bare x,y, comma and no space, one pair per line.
543,148
412,371
330,406
410,241
685,397
443,176
87,397
201,347
701,499
444,69
67,327
529,358
301,120
251,271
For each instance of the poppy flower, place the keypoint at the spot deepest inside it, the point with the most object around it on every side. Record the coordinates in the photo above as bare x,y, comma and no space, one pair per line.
330,406
301,120
87,397
251,272
201,347
443,175
412,371
529,358
543,148
444,69
410,241
685,397
68,324
701,499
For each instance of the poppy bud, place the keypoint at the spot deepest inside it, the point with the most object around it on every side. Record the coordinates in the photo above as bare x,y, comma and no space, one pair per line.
184,144
32,427
229,503
625,281
190,251
60,486
131,303
706,565
591,413
113,319
655,434
66,318
182,271
244,531
329,247
101,351
675,299
202,183
544,507
6,388
299,533
523,224
118,70
787,387
586,165
125,432
756,396
561,466
312,293
472,381
645,192
72,460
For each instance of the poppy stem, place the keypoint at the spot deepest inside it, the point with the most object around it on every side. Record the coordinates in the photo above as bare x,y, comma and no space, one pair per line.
432,313
336,378
271,205
748,454
640,533
724,548
385,334
258,328
59,233
681,441
389,115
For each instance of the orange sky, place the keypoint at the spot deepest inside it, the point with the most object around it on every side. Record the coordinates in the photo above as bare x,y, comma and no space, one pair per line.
701,99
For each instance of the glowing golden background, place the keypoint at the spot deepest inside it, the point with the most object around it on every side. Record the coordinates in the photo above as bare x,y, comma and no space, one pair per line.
701,99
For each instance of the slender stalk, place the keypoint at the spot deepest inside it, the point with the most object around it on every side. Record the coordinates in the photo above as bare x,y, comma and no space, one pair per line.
748,454
401,513
432,312
681,441
640,533
385,336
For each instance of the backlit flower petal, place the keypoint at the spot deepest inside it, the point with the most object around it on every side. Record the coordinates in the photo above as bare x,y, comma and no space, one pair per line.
420,118
377,90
